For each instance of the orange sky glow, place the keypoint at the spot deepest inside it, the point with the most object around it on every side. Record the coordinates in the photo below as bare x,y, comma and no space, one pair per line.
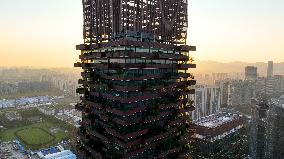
44,33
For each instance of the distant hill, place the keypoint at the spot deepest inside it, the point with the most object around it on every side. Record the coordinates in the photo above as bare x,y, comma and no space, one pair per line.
238,67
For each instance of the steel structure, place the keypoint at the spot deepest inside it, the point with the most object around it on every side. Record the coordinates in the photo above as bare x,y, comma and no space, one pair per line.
135,82
105,20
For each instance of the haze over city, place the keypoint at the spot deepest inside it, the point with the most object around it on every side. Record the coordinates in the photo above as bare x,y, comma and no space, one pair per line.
44,33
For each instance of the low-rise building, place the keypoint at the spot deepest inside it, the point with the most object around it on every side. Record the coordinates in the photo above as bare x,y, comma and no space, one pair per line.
219,136
56,153
13,116
47,110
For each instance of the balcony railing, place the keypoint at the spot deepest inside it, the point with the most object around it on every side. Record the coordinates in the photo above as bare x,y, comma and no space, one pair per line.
127,113
133,54
127,42
143,97
127,136
168,152
118,66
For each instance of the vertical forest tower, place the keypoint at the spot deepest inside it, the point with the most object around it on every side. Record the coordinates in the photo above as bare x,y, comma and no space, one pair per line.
136,80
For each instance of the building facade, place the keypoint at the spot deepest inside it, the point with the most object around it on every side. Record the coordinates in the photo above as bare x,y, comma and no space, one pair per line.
220,136
136,80
267,129
207,101
251,73
270,69
241,92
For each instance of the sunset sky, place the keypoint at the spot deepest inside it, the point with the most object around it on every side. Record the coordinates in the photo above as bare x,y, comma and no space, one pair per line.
45,32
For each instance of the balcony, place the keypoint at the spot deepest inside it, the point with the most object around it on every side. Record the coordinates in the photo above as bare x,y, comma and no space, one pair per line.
186,66
161,136
168,152
93,152
188,109
127,42
186,48
83,47
159,117
81,90
132,54
125,78
127,136
127,113
140,150
78,64
168,106
143,97
98,135
179,120
92,104
119,66
79,107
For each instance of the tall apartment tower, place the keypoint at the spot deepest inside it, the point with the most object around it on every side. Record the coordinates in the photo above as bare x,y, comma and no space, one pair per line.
251,73
270,69
136,80
207,101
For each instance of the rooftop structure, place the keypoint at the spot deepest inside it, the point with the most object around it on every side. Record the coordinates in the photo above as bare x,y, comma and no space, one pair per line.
65,154
219,136
217,124
136,79
158,20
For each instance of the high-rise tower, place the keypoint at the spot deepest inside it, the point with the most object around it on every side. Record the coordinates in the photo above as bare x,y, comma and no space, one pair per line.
136,79
251,73
270,69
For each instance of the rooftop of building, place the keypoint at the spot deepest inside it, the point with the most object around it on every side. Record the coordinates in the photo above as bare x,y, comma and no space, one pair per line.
56,152
65,154
217,126
216,120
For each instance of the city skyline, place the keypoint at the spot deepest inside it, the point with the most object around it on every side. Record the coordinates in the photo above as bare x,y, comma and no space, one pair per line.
239,31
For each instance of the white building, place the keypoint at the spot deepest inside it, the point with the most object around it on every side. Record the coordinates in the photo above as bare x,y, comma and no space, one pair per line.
207,100
65,154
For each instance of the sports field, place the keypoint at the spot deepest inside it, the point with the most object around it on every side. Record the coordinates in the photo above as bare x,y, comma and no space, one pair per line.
35,136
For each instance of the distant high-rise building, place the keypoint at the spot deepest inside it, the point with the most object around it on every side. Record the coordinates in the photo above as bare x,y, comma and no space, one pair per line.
251,73
136,80
207,101
259,130
267,129
224,86
271,83
270,86
260,86
270,69
279,88
241,92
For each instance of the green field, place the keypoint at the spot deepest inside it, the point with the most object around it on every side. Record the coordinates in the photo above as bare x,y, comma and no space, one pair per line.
35,136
